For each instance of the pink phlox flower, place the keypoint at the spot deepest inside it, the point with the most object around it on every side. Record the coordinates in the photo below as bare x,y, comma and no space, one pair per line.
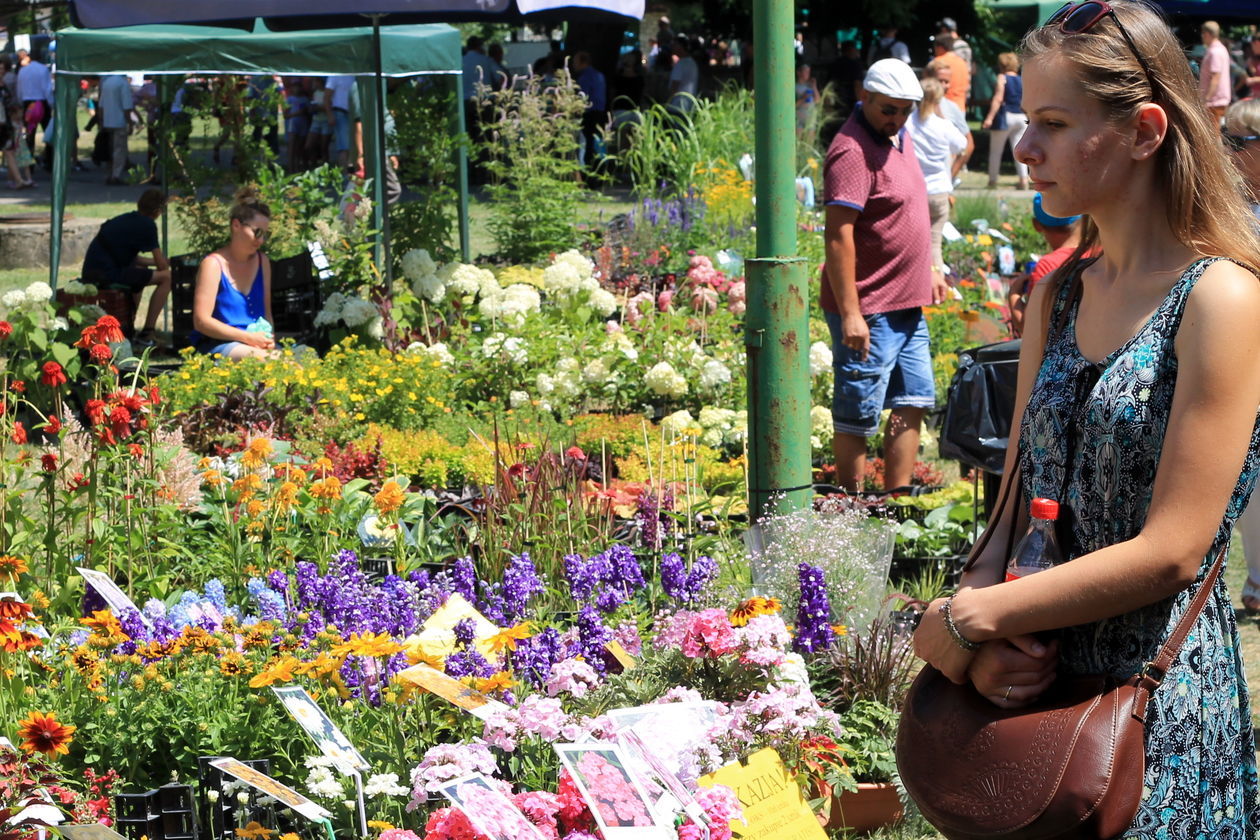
572,676
671,628
540,807
710,635
763,641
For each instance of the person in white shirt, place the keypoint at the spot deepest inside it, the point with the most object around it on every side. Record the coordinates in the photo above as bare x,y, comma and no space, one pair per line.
684,79
337,111
937,145
115,107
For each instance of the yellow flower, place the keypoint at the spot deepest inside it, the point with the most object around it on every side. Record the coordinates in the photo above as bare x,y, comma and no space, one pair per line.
752,608
379,825
367,644
280,671
506,639
286,496
104,623
500,681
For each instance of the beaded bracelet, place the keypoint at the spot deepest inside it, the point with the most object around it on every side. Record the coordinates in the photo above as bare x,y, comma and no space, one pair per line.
946,613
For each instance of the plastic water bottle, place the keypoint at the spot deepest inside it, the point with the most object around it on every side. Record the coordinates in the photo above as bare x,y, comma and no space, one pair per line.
1039,548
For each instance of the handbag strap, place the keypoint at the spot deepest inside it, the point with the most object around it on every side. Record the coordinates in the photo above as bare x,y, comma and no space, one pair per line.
1153,672
983,542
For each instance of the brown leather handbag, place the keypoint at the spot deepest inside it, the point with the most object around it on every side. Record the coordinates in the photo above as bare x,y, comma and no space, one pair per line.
1069,766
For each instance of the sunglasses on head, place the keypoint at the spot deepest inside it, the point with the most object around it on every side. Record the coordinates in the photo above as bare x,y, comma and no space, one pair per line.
1235,142
1077,18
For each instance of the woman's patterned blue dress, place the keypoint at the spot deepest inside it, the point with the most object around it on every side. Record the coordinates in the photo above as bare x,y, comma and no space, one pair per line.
1201,766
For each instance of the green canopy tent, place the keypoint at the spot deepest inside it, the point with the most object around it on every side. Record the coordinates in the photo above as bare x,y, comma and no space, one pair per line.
411,50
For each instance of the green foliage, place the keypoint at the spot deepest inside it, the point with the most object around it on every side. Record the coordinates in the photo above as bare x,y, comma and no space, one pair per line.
531,146
422,122
870,729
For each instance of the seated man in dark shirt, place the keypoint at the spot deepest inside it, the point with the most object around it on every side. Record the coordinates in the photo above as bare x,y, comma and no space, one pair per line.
113,259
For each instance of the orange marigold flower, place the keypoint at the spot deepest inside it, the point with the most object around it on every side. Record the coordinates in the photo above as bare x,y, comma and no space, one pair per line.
44,734
257,453
254,831
327,488
390,498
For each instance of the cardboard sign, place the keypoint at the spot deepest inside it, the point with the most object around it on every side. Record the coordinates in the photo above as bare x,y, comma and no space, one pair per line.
773,806
436,639
452,690
489,811
621,807
330,740
113,596
89,831
283,794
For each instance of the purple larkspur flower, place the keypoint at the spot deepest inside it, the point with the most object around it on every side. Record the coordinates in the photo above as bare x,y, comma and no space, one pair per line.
534,657
216,595
154,609
133,625
520,584
278,581
465,631
813,616
683,584
92,601
468,663
464,579
592,636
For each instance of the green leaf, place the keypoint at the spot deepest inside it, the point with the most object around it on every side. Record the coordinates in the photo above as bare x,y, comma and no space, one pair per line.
64,354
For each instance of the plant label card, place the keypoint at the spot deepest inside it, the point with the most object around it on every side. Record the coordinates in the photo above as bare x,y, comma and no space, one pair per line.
623,657
622,809
330,740
283,794
774,808
436,639
670,728
490,812
452,690
89,831
109,591
671,794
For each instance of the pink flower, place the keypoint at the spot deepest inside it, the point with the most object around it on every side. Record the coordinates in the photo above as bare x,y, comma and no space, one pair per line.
638,306
664,300
571,676
704,299
710,635
540,808
398,834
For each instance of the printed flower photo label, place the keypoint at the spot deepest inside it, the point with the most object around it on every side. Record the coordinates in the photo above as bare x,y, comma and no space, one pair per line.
622,809
111,594
671,729
773,806
489,811
282,793
331,741
452,690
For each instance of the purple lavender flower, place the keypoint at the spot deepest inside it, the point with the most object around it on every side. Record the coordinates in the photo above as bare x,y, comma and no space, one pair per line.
520,584
813,616
465,632
468,663
464,579
592,636
534,657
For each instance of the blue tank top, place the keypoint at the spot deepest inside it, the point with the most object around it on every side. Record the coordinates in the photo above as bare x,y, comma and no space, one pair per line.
1013,93
233,308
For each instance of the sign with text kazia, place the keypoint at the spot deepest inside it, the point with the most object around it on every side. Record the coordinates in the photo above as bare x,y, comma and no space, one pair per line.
773,806
283,794
330,740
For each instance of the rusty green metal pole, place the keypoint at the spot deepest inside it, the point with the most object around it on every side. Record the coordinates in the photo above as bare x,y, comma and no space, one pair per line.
776,323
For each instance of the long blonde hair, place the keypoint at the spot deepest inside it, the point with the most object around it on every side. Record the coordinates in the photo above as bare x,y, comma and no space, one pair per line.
933,92
1204,197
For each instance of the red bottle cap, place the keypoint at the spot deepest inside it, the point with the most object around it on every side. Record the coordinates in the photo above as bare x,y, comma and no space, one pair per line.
1045,509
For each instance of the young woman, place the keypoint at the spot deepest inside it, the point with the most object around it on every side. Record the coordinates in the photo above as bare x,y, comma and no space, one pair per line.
1006,120
1137,397
234,288
937,145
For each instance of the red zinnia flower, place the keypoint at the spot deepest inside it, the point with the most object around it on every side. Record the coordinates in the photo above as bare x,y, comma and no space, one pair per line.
53,426
78,481
53,376
48,461
108,330
136,450
18,385
96,411
19,432
101,354
6,330
119,416
576,453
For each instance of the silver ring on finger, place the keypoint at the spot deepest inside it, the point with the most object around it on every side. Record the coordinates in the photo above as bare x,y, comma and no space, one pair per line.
1007,695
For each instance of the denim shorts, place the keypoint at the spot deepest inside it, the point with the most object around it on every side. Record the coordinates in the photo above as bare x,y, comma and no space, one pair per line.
341,130
210,347
897,372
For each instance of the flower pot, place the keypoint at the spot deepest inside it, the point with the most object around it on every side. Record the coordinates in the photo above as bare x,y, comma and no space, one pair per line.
869,807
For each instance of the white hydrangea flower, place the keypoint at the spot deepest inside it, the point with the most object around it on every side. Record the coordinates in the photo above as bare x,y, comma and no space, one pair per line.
13,298
376,328
820,427
622,343
603,302
712,417
356,312
562,279
738,433
573,257
674,424
518,399
331,313
663,380
512,304
545,384
439,353
38,292
429,287
595,372
820,359
712,437
506,348
714,375
417,263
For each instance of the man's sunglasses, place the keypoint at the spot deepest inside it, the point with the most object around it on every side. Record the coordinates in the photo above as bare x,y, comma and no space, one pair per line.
893,110
1236,143
1076,18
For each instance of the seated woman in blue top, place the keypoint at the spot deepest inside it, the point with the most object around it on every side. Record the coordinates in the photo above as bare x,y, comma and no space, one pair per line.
234,288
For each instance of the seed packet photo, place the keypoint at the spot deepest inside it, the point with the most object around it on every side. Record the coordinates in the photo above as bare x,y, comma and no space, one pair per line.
620,805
